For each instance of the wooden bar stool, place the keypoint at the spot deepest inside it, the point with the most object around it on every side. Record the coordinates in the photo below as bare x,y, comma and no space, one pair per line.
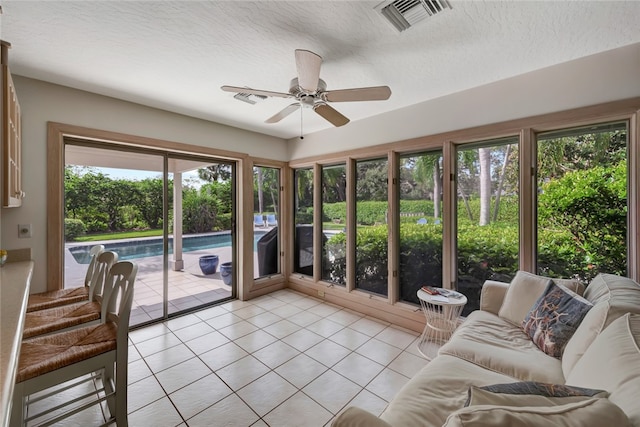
44,300
68,316
58,358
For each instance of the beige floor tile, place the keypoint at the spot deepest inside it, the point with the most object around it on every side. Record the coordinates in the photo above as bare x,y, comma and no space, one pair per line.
306,303
182,322
324,310
349,338
327,352
298,410
304,318
379,351
387,384
255,341
286,311
358,368
325,327
199,395
170,357
300,370
368,326
209,313
264,319
238,329
282,328
369,402
157,344
207,342
229,412
248,311
396,337
302,340
193,331
276,354
143,392
138,370
223,320
345,317
242,372
182,374
408,364
160,413
332,391
223,355
267,392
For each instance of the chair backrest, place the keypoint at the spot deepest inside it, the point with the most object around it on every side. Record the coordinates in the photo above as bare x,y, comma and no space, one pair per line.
422,221
258,219
94,252
271,220
118,296
104,261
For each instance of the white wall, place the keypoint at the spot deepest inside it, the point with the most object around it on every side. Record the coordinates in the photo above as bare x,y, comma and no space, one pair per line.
42,102
608,76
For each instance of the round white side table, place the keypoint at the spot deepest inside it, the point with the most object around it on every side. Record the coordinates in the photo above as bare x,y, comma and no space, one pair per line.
442,314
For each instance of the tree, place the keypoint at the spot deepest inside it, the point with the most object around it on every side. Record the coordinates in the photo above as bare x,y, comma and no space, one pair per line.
484,154
150,201
215,172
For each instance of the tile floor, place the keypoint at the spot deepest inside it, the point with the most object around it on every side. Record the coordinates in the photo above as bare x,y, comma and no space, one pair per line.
283,359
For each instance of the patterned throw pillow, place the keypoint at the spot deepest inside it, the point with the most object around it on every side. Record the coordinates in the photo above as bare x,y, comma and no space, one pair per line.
554,318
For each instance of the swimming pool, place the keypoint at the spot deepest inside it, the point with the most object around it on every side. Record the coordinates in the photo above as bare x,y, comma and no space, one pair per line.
132,249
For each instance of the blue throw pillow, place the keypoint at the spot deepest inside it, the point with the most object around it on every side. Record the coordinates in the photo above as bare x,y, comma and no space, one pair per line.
554,318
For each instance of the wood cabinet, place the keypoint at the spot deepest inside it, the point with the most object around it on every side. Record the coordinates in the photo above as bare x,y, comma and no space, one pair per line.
12,193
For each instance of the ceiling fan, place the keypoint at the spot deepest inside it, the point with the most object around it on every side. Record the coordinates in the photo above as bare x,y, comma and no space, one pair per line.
310,91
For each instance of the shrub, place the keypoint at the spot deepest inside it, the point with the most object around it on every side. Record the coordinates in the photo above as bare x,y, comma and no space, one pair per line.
73,228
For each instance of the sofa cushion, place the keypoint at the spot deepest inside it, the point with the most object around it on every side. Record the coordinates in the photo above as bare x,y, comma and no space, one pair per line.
493,343
612,363
585,412
524,291
554,318
436,391
612,296
536,396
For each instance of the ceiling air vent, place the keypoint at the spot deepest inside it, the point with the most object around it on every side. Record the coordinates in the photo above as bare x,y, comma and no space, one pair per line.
249,98
404,14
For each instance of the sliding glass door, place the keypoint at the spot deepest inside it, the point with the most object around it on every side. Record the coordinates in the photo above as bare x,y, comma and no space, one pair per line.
173,215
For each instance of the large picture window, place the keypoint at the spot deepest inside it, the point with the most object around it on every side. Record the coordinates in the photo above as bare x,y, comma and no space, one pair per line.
582,202
371,234
487,215
420,190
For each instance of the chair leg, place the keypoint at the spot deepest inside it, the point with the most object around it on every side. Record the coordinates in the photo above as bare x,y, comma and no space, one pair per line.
121,392
18,410
108,380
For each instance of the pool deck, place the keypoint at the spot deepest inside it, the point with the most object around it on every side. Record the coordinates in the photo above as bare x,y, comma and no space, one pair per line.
188,288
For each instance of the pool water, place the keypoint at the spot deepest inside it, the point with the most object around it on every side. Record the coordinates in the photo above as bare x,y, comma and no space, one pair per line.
132,249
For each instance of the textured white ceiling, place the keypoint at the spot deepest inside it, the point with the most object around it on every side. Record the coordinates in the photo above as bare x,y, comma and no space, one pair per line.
175,55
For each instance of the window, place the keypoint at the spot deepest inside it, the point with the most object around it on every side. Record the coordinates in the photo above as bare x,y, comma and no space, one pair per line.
334,220
303,222
266,202
372,234
582,202
487,215
420,189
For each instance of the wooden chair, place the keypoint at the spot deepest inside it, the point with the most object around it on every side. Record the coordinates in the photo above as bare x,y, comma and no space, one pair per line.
60,358
44,300
68,316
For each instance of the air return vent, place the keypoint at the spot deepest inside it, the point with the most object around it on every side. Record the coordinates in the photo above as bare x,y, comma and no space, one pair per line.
249,98
404,14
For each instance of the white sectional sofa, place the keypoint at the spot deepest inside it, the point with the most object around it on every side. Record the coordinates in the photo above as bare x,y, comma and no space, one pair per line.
491,348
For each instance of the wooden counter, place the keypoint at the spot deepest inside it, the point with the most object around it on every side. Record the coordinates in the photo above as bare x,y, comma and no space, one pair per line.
15,278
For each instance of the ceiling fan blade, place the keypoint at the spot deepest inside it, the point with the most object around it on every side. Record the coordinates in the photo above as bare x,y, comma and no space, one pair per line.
376,93
330,114
284,113
308,66
248,90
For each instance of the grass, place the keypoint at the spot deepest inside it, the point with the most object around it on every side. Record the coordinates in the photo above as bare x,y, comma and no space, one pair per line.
118,235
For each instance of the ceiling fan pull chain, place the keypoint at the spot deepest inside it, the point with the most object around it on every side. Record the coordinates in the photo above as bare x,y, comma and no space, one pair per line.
301,114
